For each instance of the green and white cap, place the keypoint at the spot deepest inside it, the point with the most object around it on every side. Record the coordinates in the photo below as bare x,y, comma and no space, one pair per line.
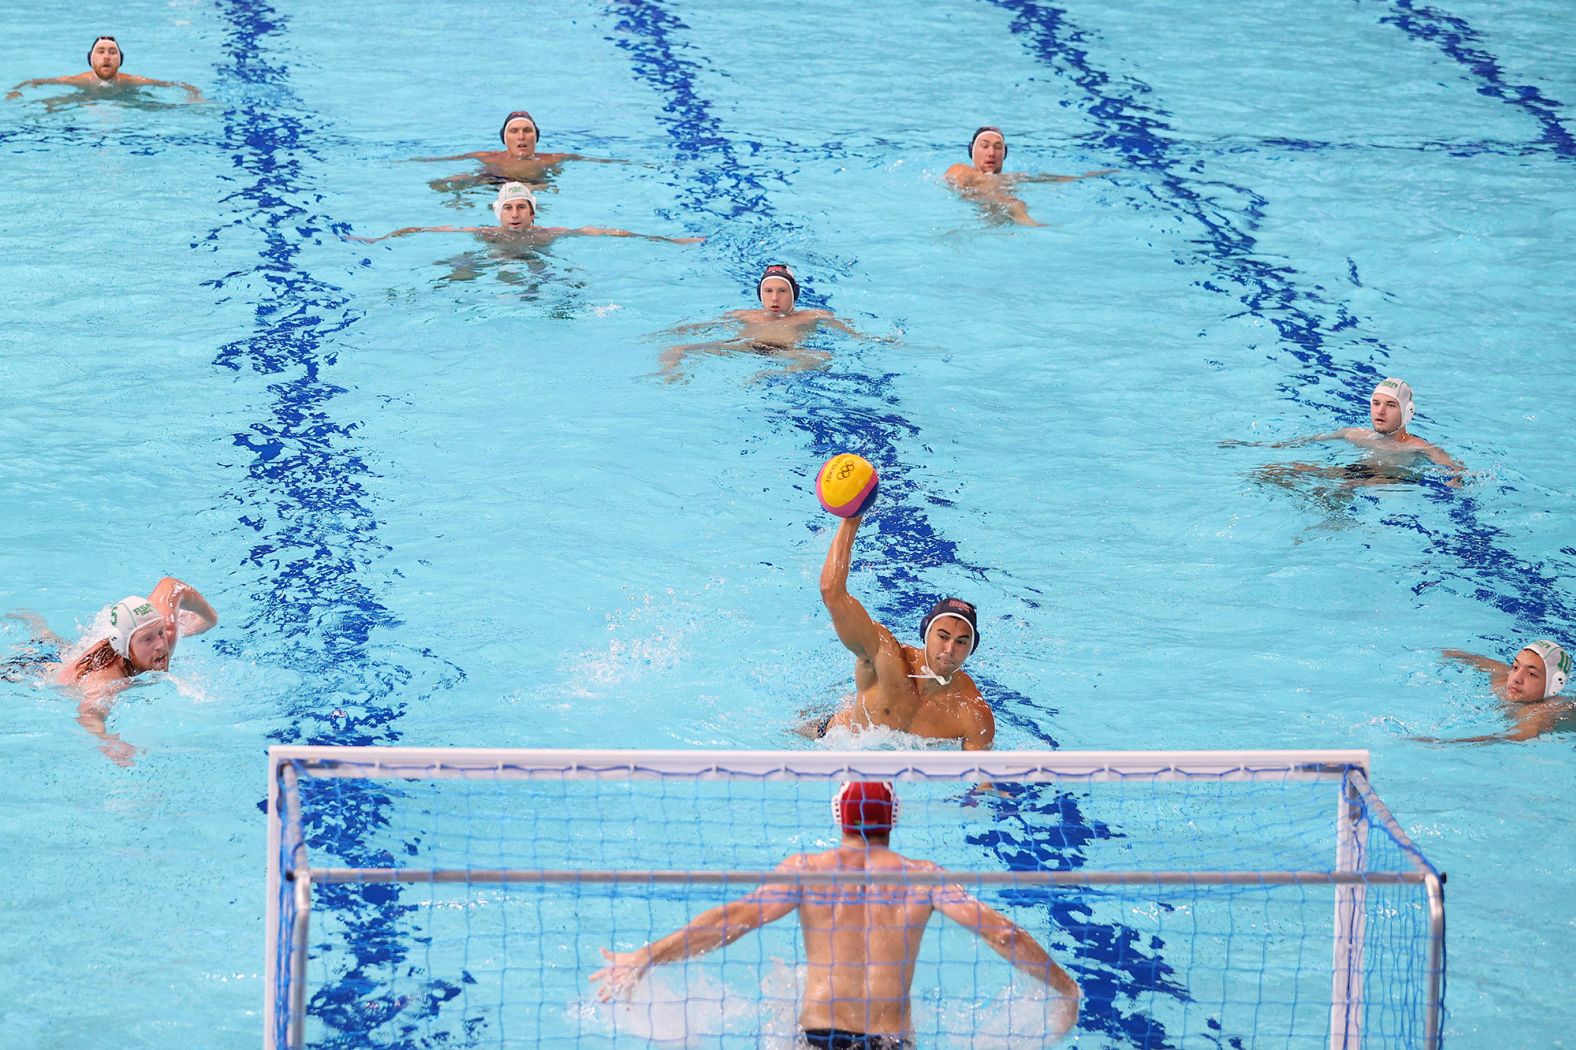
128,616
1402,392
513,191
1556,665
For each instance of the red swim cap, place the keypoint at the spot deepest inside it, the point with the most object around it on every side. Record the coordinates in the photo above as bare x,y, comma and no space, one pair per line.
865,805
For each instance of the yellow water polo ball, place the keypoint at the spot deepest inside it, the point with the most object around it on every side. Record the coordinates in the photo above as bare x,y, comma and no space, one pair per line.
846,484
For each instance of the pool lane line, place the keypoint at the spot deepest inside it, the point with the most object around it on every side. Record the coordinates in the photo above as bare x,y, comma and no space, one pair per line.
1116,963
316,532
1134,131
1456,37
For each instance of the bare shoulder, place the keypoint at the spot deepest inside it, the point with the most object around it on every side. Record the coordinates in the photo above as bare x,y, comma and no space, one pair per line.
916,863
960,173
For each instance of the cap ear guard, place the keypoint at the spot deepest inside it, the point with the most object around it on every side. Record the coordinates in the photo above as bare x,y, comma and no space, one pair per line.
126,617
1556,665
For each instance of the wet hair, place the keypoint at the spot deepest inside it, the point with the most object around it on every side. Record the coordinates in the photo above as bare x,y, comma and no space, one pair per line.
980,131
111,40
101,656
519,114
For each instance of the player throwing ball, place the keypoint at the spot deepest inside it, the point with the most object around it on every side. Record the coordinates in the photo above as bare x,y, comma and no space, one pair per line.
921,690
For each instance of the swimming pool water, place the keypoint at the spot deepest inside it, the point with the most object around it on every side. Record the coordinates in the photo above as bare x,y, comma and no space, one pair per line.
466,512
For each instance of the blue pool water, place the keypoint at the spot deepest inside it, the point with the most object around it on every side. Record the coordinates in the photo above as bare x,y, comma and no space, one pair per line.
468,512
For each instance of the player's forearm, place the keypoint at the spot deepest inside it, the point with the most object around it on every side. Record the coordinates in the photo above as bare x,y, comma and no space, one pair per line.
834,574
1016,946
706,932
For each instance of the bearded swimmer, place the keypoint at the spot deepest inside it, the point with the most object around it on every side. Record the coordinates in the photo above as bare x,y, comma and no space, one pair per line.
983,182
1390,450
104,59
515,208
142,636
861,939
921,691
775,330
1530,686
518,161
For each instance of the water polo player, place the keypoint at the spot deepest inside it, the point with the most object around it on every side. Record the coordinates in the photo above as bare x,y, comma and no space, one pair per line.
104,61
1531,684
141,634
518,161
515,209
922,691
983,181
861,940
777,330
1391,451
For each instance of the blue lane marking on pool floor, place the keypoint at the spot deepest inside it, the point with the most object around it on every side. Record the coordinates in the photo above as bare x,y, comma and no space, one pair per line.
1135,131
1456,38
316,532
1114,963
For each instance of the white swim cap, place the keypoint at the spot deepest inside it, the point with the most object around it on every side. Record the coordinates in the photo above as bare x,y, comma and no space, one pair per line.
1556,665
513,191
128,616
1398,389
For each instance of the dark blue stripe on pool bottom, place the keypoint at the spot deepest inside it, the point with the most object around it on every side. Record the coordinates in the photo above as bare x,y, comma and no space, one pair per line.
314,545
843,410
1456,38
1131,126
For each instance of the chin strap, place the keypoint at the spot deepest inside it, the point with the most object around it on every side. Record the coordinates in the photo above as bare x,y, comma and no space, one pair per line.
927,673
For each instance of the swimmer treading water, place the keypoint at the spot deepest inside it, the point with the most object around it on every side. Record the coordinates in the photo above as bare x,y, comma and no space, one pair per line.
518,161
1530,685
515,209
777,330
1391,455
103,78
983,181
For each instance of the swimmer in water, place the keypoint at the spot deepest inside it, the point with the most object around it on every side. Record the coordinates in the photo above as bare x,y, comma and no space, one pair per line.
104,59
923,691
515,208
861,939
518,161
1530,685
775,330
1390,455
142,637
983,182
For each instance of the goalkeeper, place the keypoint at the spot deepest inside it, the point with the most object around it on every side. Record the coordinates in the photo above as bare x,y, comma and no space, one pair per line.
860,941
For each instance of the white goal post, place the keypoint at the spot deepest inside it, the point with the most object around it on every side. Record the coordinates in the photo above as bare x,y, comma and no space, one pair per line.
429,886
